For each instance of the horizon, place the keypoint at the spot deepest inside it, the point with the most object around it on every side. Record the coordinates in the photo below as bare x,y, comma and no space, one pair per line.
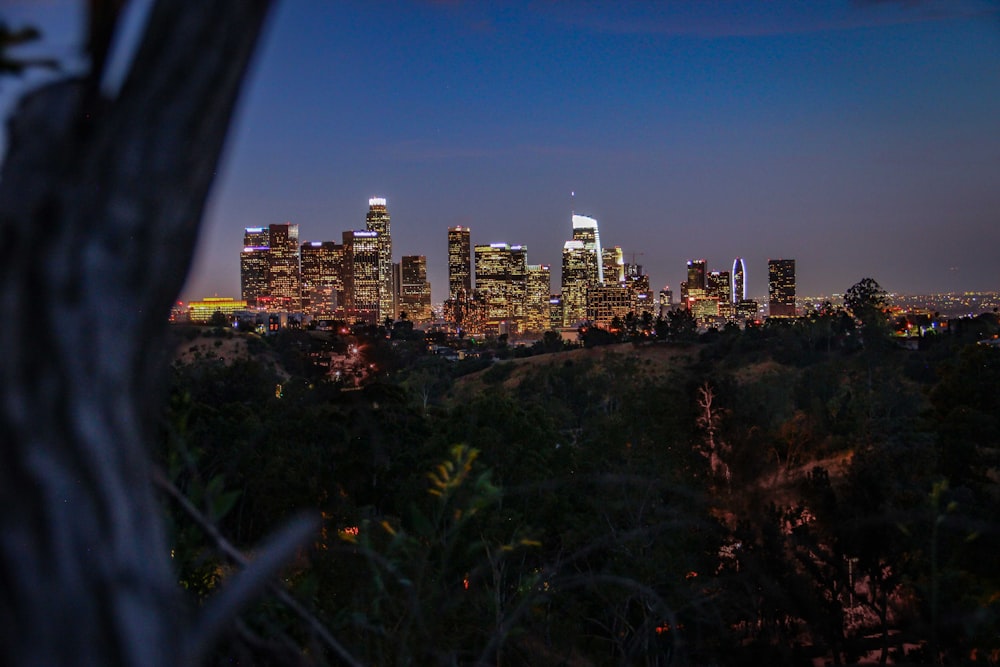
857,137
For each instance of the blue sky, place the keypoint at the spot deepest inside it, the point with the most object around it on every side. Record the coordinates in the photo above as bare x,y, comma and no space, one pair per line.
861,138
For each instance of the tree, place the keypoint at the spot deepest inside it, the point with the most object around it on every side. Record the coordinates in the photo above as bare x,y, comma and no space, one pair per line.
868,303
101,194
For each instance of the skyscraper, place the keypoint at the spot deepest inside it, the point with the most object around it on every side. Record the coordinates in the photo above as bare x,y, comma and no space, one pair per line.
518,282
538,292
739,280
781,287
694,288
362,279
284,278
585,229
719,287
501,274
605,303
638,284
666,300
377,220
576,276
614,265
414,291
696,274
322,284
582,267
254,261
459,261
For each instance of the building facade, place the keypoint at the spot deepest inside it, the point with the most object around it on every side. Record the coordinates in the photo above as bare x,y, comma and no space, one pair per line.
415,291
607,302
284,273
377,220
501,281
781,287
362,276
739,281
719,286
459,261
614,265
254,263
322,282
536,303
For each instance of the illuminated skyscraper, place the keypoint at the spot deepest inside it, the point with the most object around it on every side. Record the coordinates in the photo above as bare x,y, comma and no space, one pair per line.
555,311
666,300
719,287
577,275
518,282
694,287
614,265
696,274
607,302
585,229
254,262
582,267
377,220
361,276
739,280
284,278
501,281
415,291
322,284
781,287
459,261
536,303
638,284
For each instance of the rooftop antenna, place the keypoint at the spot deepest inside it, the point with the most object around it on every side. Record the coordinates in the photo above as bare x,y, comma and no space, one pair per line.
572,202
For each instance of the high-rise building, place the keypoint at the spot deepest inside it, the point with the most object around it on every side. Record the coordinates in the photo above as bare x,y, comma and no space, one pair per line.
377,220
518,282
555,311
666,300
501,280
614,265
254,264
585,229
739,281
576,277
781,287
537,315
459,261
693,288
362,279
415,291
582,268
610,301
322,282
719,287
638,284
284,273
696,274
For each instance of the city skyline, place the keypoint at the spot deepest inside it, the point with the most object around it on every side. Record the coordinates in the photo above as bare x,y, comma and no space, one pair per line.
858,137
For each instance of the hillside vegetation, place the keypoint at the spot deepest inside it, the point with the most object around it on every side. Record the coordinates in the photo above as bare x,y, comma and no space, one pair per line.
768,496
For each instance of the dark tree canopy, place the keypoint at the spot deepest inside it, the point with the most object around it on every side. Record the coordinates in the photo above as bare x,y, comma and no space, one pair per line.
866,298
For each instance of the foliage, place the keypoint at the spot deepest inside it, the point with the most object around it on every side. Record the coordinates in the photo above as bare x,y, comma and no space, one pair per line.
586,520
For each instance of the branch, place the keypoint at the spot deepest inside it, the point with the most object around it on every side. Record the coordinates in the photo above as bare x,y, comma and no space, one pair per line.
256,575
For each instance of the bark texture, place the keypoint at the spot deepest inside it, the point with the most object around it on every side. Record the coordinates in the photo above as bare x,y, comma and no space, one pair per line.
100,203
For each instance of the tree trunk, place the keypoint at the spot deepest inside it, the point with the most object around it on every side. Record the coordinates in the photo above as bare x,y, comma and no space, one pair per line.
100,203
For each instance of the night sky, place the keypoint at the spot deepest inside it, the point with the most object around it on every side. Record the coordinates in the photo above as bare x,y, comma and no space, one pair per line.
859,138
